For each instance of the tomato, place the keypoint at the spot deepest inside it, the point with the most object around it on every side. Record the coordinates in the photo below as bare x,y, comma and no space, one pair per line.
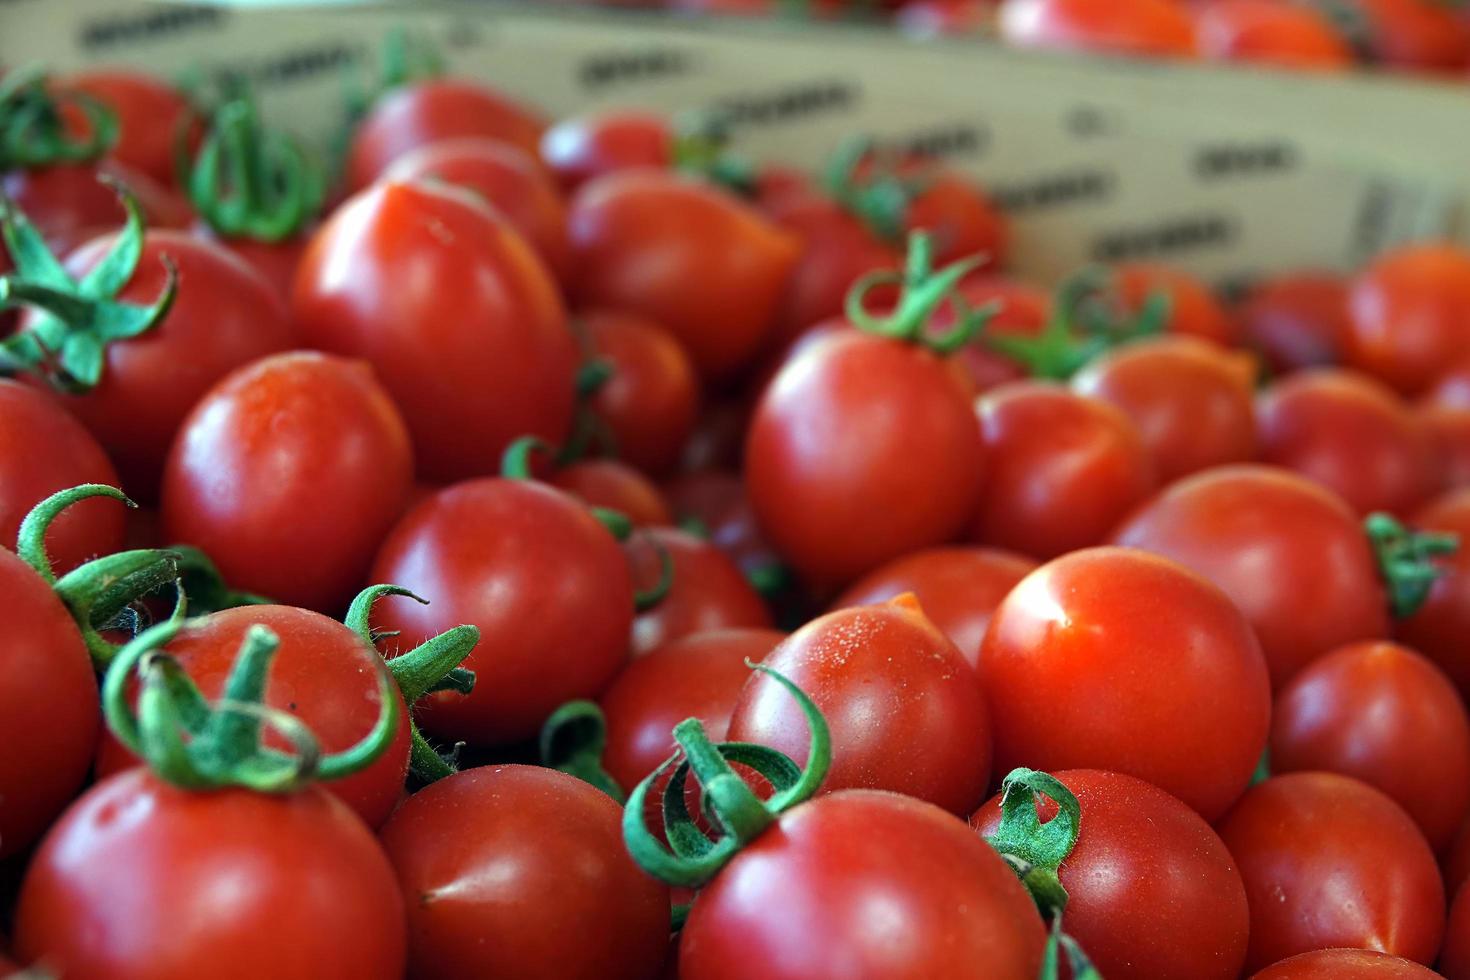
275,262
1441,628
1096,654
1454,959
861,431
546,584
118,888
1152,893
718,440
894,887
583,147
707,590
1352,435
959,218
650,401
70,205
501,866
691,257
1345,964
609,483
1063,469
1297,321
717,502
1413,34
43,449
430,111
1410,315
1136,27
1266,32
149,114
1328,861
1193,308
929,18
1289,553
473,345
1456,863
958,587
509,179
1023,310
1191,402
1452,389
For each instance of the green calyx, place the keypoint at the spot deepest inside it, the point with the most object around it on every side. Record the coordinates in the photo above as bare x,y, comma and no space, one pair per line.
1058,943
701,149
691,858
572,741
1033,849
434,665
1406,560
33,130
201,580
66,344
405,58
881,197
922,290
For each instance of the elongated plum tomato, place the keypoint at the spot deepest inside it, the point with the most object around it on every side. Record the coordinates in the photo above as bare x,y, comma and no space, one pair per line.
863,448
149,114
1410,315
430,111
1152,892
1290,554
263,860
897,888
1151,27
322,673
1296,321
1454,958
1097,652
1194,309
460,320
1441,628
1265,32
708,591
1345,964
583,147
650,401
1381,713
1327,862
546,584
689,256
958,588
287,435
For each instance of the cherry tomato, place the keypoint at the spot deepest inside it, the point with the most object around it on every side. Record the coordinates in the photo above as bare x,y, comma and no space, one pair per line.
584,147
1096,654
897,888
275,262
1350,434
650,401
1063,469
1152,893
959,218
519,871
707,592
1441,628
1452,389
1136,27
1413,34
1410,315
1193,308
142,879
717,501
1023,311
473,345
1328,862
66,202
149,115
1297,321
1454,959
1345,964
718,440
609,483
691,257
1266,32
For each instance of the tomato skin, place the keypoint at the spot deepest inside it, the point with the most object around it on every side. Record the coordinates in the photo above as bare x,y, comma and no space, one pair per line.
708,590
854,432
1135,27
959,588
1415,35
49,713
583,147
276,262
1062,469
717,500
706,266
807,889
149,114
959,219
268,863
652,398
1329,861
545,583
261,447
1194,309
1297,321
1410,315
473,346
66,202
1152,892
500,865
1441,628
609,483
1345,964
1265,32
1023,311
1191,402
1289,553
1452,389
1094,653
1454,959
1352,435
43,449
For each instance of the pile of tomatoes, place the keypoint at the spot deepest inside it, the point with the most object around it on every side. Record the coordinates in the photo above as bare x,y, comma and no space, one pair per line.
568,550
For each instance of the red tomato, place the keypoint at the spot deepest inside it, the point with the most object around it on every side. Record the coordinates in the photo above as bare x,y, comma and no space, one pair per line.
906,713
509,179
650,401
689,256
1193,308
959,218
205,876
518,871
1290,554
1413,34
707,593
1452,389
609,483
1136,27
718,502
1345,964
584,147
1441,628
928,18
542,579
430,111
1135,840
1350,434
897,888
1271,33
1095,654
1297,321
959,588
473,345
149,113
1063,469
1023,311
259,452
718,440
1454,959
1456,864
66,202
1411,315
275,262
1191,402
1331,862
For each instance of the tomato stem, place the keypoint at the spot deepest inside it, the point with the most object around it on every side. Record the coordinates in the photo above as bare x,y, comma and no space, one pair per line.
646,599
1079,962
573,740
33,132
1035,850
921,292
701,149
1406,560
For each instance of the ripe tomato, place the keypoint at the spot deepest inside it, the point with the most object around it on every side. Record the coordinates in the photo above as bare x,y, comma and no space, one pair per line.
690,257
1454,959
1289,553
542,579
958,588
1441,628
1023,310
275,262
67,203
960,219
707,591
473,345
263,861
897,888
1136,27
717,502
1456,863
1062,469
1350,434
1452,389
609,483
1193,308
1266,32
1449,435
1135,840
1297,321
149,114
1328,861
650,401
1413,34
1095,653
1410,314
501,865
1190,401
1345,964
583,147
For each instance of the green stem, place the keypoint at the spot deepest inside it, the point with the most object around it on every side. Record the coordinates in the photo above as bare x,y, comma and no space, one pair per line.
1407,560
1036,850
922,291
573,740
